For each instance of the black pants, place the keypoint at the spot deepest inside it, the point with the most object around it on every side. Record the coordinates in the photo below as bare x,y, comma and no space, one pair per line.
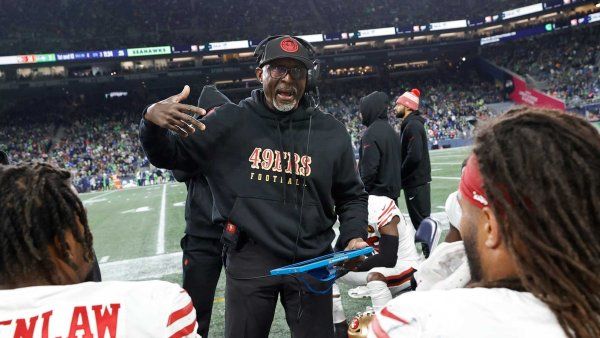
250,303
202,265
418,202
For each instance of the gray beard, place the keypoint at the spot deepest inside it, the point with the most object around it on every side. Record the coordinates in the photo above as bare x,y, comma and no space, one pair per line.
284,107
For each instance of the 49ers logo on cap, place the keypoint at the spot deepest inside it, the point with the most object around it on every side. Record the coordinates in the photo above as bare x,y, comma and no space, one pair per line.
289,45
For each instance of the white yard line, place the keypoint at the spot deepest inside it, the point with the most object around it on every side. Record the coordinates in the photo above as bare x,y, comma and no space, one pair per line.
104,259
160,242
146,187
142,268
448,151
101,195
446,178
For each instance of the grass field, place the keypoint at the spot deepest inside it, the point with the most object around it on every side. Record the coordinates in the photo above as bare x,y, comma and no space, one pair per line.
137,233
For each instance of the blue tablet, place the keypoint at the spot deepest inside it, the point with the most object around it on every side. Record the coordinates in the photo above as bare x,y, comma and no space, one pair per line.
321,262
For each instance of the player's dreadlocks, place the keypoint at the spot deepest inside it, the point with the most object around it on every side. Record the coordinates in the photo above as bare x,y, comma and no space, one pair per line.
37,208
541,172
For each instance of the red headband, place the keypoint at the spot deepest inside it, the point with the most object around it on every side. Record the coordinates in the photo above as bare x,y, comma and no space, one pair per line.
471,184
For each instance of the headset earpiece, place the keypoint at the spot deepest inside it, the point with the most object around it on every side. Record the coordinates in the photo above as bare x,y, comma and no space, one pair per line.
315,72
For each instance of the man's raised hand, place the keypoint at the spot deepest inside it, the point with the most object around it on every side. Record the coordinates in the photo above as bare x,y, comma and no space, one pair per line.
175,116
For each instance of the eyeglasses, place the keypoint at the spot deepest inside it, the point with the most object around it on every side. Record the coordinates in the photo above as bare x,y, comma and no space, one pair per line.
278,72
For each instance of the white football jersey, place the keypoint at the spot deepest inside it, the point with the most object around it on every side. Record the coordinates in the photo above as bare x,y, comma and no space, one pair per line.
477,312
99,310
381,211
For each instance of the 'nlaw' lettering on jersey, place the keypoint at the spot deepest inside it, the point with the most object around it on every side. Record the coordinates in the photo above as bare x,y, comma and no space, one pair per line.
98,310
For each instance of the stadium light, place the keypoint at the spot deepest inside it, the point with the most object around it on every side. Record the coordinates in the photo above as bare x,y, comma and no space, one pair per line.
464,59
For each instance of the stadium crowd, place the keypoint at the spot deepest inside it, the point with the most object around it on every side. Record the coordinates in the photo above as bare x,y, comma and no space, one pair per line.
446,102
98,141
95,24
565,65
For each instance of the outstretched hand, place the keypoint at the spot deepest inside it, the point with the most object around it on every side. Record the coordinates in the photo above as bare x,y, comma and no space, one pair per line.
175,116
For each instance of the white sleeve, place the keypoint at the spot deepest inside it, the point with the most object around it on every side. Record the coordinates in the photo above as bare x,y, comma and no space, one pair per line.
399,318
375,209
381,210
181,322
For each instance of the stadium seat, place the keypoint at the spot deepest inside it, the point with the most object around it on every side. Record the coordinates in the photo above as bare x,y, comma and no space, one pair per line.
428,235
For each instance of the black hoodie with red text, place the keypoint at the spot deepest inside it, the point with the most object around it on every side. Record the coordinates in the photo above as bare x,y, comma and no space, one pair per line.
257,161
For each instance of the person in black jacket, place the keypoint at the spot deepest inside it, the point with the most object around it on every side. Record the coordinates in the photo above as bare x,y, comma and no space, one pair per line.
416,167
281,173
201,244
380,161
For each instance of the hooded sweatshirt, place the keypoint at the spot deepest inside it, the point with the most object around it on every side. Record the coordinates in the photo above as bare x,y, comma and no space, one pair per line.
199,201
380,160
281,178
416,168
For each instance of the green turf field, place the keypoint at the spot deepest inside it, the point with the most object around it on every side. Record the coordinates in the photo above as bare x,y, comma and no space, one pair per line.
137,232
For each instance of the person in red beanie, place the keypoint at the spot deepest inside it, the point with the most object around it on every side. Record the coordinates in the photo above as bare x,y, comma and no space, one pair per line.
416,168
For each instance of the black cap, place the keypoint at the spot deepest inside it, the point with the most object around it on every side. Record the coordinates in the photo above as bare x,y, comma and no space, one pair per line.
211,97
286,47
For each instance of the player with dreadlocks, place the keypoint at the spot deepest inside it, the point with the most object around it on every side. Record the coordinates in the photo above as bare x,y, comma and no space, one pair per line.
530,199
46,254
37,210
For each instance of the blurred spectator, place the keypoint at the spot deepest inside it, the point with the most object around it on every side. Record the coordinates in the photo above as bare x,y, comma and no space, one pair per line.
565,64
110,24
97,141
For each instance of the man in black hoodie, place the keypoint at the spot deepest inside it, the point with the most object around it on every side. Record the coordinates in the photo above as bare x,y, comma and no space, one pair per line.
281,173
201,244
380,161
416,167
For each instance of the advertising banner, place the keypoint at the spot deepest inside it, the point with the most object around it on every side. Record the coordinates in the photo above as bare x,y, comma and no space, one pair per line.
523,94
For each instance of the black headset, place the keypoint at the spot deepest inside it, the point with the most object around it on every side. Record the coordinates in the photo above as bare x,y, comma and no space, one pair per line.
313,76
